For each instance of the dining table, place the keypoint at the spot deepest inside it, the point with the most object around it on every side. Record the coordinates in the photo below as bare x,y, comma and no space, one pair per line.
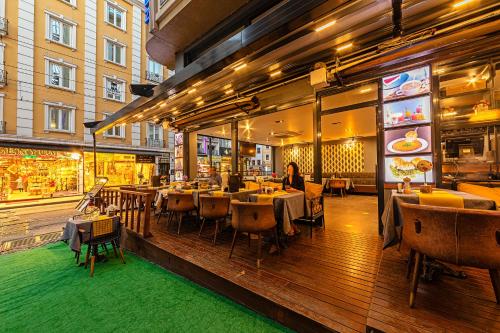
348,183
71,234
287,207
196,195
391,216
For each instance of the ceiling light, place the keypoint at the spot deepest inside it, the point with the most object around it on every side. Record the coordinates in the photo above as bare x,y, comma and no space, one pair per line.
282,142
272,133
197,99
172,96
192,91
364,91
162,105
274,67
461,3
326,25
227,86
276,73
198,83
229,91
139,116
472,80
344,47
199,103
240,66
165,124
175,112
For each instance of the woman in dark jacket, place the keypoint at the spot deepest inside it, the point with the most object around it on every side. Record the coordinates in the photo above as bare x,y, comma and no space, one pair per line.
293,181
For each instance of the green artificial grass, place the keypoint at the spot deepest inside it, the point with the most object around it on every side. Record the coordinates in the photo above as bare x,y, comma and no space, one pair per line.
42,290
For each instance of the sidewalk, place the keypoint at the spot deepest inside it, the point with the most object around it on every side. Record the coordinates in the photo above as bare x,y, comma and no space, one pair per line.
39,202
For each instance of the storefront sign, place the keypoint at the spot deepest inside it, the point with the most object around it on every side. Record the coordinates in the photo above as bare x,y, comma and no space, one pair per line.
28,153
144,158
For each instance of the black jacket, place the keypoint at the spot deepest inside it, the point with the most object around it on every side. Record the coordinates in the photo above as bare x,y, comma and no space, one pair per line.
297,183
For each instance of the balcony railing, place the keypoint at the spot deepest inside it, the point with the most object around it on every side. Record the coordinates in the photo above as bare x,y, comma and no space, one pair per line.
3,127
155,143
154,77
4,26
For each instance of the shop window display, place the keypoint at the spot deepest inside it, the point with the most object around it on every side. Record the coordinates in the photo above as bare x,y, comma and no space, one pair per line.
32,173
120,169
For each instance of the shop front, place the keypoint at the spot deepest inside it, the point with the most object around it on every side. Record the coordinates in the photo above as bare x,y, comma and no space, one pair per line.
27,173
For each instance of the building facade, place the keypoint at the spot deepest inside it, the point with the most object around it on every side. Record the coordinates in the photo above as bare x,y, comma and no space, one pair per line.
64,63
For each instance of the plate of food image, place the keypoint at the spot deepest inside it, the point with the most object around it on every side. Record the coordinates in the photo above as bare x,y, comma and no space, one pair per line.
401,168
410,144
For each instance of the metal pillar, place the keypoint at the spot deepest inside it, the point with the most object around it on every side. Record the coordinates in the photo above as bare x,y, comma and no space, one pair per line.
234,147
317,158
95,157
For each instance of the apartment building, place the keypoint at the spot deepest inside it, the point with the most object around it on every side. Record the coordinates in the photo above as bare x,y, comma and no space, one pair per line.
64,63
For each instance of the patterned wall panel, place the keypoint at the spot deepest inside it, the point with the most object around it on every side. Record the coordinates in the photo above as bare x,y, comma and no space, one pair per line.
342,157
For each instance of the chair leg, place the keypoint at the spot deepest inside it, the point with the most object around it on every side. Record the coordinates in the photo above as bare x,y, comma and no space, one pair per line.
216,230
114,248
105,248
323,220
121,253
259,249
495,281
170,218
311,229
77,255
411,257
87,256
276,239
201,227
179,223
233,242
159,216
92,264
415,279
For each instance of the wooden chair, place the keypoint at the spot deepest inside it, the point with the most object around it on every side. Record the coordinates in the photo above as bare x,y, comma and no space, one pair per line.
466,237
163,209
178,204
213,208
102,231
253,218
338,184
314,205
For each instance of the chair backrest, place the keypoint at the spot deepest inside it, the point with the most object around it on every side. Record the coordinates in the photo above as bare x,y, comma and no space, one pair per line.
214,206
430,230
479,238
102,227
252,216
337,183
180,202
313,190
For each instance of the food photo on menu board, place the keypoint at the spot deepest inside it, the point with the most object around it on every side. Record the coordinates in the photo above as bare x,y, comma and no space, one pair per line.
410,83
415,111
178,137
399,167
409,140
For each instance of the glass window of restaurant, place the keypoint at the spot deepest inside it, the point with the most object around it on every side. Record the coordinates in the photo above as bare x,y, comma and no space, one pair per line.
36,173
120,169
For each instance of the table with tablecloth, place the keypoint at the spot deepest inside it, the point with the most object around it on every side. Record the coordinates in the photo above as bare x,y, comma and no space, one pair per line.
70,232
242,195
164,193
391,217
348,183
287,208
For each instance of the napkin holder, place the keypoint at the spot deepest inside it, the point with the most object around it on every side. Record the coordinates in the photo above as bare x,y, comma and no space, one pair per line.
426,188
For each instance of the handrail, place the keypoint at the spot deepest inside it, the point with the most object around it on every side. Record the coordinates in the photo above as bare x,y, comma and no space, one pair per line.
134,208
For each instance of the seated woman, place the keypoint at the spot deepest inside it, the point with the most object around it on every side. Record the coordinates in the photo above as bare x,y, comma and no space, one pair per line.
293,181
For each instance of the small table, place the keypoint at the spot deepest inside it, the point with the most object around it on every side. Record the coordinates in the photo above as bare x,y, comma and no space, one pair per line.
391,217
71,231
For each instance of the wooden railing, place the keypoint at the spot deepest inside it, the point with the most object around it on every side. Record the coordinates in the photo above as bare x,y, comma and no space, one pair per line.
134,207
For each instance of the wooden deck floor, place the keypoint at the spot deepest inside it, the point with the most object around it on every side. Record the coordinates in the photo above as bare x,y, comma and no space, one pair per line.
340,278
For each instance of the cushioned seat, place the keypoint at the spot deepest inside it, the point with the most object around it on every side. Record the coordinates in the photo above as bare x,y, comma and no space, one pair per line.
482,191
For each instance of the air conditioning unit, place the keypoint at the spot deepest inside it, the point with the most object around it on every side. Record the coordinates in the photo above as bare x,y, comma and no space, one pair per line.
319,78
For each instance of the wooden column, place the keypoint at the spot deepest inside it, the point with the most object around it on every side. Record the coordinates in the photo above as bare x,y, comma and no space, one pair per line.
234,147
317,158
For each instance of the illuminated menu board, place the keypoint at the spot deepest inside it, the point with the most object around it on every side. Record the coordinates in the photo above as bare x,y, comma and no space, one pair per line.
179,154
407,116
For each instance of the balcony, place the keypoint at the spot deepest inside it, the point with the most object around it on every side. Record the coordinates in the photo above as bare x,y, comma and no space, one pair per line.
3,77
4,26
3,127
154,77
155,143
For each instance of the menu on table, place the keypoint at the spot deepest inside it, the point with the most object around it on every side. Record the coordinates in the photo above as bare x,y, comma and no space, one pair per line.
407,125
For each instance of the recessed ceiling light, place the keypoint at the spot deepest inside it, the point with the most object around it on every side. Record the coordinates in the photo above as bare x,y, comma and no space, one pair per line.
229,91
326,25
162,105
461,3
192,91
227,86
344,47
197,99
279,121
275,73
175,112
200,103
240,66
364,91
274,67
139,116
199,83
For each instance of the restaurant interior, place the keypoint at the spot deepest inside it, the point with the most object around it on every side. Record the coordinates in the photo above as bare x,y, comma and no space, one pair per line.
388,129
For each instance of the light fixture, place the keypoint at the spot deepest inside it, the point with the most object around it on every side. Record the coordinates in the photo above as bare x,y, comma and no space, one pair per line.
191,91
472,80
198,83
275,73
364,91
162,105
282,142
139,116
123,124
326,25
272,133
175,112
240,66
461,3
229,91
172,96
344,47
449,114
274,67
227,86
165,124
197,99
199,103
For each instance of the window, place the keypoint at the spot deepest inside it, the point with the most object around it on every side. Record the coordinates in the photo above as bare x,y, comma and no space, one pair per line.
154,131
59,74
258,150
114,52
116,131
115,15
60,30
267,157
154,71
59,117
70,2
114,89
